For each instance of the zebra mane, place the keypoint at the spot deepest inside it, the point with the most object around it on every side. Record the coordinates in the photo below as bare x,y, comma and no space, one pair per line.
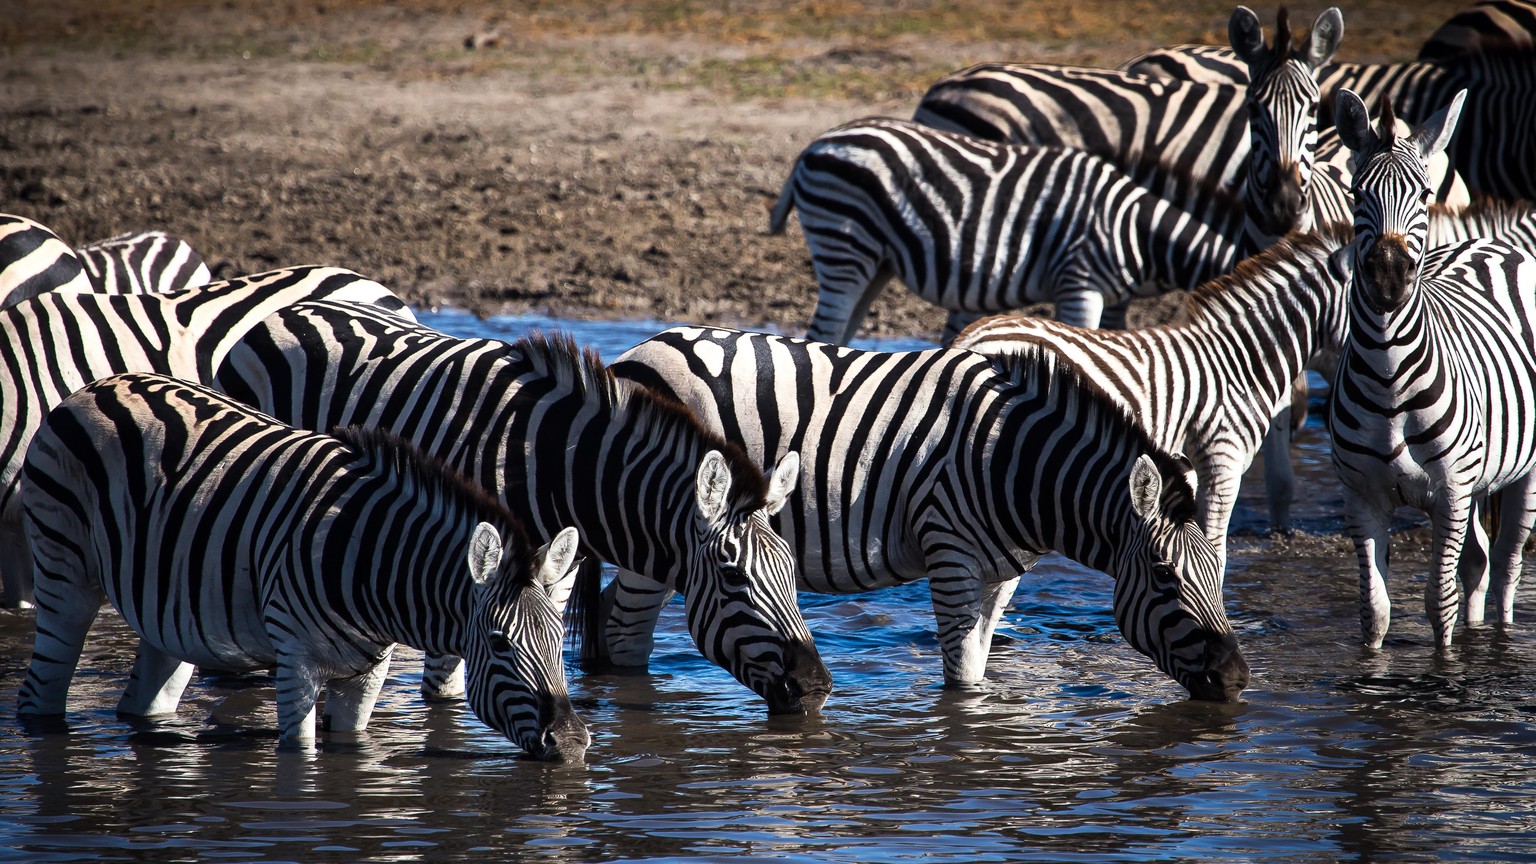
1261,267
400,458
1045,369
558,355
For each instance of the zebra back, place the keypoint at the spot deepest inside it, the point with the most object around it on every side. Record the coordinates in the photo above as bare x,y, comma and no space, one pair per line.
548,429
33,261
1203,64
226,538
142,263
1199,129
1511,222
1483,26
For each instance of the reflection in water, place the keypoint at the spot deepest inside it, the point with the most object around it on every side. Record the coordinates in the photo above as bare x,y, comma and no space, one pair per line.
1073,750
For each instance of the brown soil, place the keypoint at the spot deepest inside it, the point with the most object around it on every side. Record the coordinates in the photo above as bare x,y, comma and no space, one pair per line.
585,159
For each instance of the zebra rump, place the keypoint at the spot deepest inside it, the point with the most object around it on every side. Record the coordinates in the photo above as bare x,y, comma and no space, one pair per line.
142,263
228,539
33,261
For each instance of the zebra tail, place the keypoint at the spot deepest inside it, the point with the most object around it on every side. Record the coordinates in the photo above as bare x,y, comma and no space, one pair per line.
780,215
583,612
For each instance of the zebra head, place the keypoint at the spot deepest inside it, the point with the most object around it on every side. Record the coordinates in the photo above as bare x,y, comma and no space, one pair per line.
515,675
741,603
1391,191
1282,115
1168,586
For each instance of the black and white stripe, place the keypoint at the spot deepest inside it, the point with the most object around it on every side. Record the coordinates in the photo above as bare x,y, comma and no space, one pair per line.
980,226
56,343
1434,394
1489,25
1209,385
963,470
143,262
230,540
547,429
33,261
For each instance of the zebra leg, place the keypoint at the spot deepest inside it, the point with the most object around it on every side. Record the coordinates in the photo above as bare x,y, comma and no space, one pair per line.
1217,499
15,565
1472,565
1080,307
630,606
349,701
1113,317
1368,527
967,611
442,678
1279,482
843,302
1516,516
954,323
1441,593
156,685
298,689
65,612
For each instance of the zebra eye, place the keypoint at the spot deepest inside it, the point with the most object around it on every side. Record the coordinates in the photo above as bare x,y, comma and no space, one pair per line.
499,642
1163,575
733,575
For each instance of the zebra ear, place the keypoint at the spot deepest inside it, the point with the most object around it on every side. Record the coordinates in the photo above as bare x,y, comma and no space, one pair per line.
484,553
1247,35
1146,486
714,487
1353,122
1435,133
557,566
1327,32
783,482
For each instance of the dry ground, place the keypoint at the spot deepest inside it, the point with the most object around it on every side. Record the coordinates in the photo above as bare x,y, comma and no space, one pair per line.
586,159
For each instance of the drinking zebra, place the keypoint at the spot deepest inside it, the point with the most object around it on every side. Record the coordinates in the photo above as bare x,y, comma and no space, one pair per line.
1209,385
1432,396
54,344
960,469
978,226
230,540
551,432
33,261
143,262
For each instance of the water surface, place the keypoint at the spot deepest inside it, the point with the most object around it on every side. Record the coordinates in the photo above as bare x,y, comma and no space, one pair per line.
1076,749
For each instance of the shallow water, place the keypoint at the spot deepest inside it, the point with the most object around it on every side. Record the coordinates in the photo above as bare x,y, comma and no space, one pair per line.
1075,750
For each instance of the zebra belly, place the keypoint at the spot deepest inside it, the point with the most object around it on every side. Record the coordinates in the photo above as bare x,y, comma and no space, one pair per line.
221,627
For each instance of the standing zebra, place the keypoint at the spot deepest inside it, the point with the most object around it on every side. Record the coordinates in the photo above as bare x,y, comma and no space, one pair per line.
961,469
33,261
56,343
979,226
141,263
551,432
1489,25
1433,394
1208,386
228,539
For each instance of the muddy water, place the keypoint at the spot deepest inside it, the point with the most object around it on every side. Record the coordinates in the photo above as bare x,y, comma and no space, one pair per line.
1075,750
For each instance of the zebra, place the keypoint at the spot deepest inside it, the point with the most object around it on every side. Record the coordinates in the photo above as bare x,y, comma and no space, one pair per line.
1432,395
33,261
1512,222
559,440
143,262
980,226
1209,385
54,344
960,468
1499,161
1484,26
228,539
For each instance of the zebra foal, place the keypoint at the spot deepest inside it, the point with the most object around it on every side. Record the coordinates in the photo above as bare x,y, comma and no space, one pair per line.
1433,395
960,469
549,430
230,540
54,344
979,226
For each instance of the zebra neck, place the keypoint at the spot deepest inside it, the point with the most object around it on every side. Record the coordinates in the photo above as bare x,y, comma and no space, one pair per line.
1387,343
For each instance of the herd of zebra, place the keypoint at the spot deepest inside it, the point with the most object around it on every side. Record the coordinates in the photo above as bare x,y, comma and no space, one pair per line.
287,471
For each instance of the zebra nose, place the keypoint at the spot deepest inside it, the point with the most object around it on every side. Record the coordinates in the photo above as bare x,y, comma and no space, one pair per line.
1226,673
1389,270
805,685
563,736
1282,210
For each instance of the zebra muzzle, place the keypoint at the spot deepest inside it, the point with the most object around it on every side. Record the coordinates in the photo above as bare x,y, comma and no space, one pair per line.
806,683
1225,676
